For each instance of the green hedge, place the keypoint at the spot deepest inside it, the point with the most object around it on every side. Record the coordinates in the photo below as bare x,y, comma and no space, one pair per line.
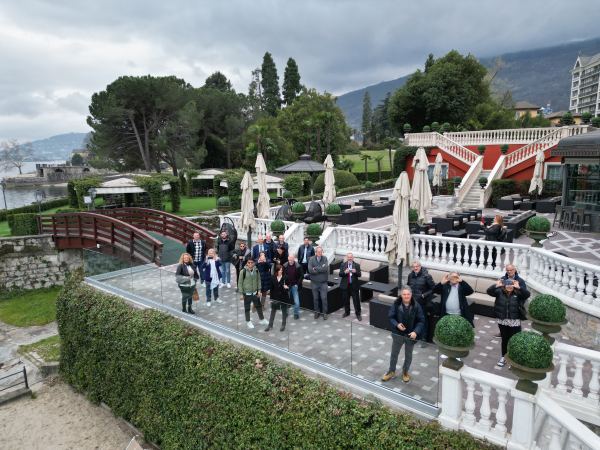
33,208
72,195
296,183
234,186
23,224
82,187
185,389
343,179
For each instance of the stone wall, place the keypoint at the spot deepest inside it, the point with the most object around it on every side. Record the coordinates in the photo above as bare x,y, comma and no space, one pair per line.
32,262
582,329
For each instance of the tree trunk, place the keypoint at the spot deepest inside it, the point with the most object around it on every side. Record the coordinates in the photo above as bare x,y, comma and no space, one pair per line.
144,155
390,158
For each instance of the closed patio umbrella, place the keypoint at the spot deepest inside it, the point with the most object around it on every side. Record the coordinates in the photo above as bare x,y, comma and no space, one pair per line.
398,245
329,192
262,205
247,221
437,171
537,182
420,194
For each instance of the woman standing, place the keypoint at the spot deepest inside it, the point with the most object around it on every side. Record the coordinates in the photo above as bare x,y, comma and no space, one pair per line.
508,307
212,276
280,256
280,297
264,269
186,277
495,230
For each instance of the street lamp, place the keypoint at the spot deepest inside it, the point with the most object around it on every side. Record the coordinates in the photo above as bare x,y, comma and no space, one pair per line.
92,193
3,184
39,196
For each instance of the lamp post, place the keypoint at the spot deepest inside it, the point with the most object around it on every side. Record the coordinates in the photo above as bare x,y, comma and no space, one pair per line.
39,196
3,184
92,193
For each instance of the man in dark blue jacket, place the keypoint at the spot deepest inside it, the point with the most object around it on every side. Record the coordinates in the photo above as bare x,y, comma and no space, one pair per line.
407,322
305,251
454,292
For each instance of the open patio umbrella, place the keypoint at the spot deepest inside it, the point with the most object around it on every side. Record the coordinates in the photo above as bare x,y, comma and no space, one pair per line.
262,205
420,194
536,181
247,221
398,245
329,192
437,171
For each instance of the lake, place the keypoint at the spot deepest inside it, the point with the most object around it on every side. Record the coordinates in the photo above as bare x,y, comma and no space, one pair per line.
25,195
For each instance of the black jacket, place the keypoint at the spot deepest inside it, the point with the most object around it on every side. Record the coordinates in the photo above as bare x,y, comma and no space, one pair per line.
310,252
182,270
344,276
413,319
522,283
299,274
422,285
278,292
508,306
190,249
280,259
225,249
463,290
235,257
492,233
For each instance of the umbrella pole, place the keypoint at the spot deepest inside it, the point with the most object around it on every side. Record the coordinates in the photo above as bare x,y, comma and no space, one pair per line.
249,238
400,275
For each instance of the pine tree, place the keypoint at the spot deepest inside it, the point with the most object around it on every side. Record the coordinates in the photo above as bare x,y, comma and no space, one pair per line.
270,85
291,82
366,116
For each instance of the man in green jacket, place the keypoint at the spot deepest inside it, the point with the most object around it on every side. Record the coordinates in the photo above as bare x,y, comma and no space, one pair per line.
249,287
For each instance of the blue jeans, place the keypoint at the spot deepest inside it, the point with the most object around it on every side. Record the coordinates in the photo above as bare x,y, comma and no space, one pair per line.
198,265
215,292
296,297
226,273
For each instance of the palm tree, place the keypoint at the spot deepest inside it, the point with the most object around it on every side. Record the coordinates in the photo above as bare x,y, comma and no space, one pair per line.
378,160
365,158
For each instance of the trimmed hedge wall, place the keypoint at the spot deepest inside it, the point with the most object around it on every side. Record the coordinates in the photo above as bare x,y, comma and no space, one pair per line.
187,390
23,224
343,179
45,206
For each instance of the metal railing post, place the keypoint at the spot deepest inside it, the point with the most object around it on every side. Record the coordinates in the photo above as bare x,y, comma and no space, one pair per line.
25,376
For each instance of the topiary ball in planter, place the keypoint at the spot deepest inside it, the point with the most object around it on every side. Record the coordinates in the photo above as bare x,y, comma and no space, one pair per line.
314,231
547,313
299,208
481,149
288,194
455,336
483,181
277,226
504,149
368,185
223,202
333,209
530,358
537,228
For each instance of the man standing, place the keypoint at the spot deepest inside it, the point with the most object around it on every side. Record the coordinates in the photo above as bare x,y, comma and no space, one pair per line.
239,258
270,243
294,274
422,284
407,321
261,247
349,285
249,287
281,243
305,252
225,247
318,269
454,292
197,249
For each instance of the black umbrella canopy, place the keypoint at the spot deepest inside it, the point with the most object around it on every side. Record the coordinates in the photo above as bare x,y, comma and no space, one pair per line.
304,164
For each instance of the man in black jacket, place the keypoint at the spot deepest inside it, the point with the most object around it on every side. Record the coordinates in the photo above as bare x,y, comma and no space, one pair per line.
349,285
305,251
422,284
196,248
454,292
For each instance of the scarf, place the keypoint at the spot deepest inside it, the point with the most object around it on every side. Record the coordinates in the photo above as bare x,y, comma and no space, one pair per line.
214,275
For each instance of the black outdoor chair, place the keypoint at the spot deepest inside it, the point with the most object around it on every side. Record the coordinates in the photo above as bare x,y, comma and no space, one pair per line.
314,213
284,213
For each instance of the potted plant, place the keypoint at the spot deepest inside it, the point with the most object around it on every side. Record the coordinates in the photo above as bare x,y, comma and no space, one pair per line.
223,204
537,228
413,220
298,210
504,149
547,313
287,195
313,231
368,185
333,213
481,149
454,336
457,181
426,129
482,182
278,227
530,358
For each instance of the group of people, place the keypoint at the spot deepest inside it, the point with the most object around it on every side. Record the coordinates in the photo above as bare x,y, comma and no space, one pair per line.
412,316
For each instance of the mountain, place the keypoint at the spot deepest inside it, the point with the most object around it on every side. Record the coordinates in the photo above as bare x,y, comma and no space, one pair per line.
538,76
57,147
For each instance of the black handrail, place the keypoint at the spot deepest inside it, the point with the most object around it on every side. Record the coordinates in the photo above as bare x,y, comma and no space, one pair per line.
20,372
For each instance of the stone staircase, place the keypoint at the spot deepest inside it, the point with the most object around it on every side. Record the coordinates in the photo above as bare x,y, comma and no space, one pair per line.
473,197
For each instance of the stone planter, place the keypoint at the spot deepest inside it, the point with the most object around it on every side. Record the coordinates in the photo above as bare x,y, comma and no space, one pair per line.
223,209
546,328
537,236
528,375
452,353
334,218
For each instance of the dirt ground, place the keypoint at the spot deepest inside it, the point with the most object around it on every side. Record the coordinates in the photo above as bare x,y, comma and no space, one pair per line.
60,418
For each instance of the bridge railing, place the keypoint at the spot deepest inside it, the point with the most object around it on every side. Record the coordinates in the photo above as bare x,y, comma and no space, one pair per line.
85,229
161,222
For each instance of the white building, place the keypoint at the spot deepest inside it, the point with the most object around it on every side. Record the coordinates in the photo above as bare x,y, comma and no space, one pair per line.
585,86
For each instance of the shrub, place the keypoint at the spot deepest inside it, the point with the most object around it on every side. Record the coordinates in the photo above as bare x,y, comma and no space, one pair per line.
224,202
435,126
500,188
185,389
504,148
72,195
287,194
481,149
400,157
368,185
277,226
294,183
445,127
483,180
175,192
34,208
233,189
299,207
343,179
66,210
426,129
454,331
596,122
450,187
406,128
457,180
23,224
314,229
538,223
547,308
332,209
413,215
82,187
530,349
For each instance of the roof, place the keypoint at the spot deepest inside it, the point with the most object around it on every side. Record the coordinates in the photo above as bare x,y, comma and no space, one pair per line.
123,185
559,114
585,61
208,174
586,145
304,164
525,105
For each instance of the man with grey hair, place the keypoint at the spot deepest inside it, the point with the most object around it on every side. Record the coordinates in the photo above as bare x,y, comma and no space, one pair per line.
318,269
349,285
454,291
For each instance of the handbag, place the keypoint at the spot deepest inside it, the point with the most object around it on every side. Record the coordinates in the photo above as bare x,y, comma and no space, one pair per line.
195,295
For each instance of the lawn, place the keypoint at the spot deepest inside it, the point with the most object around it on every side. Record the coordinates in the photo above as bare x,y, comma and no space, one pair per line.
28,308
359,165
191,206
48,349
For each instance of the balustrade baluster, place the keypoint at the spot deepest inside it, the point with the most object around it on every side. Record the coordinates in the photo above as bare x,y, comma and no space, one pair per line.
573,443
443,256
488,257
555,429
564,281
469,417
424,257
558,276
546,269
572,283
597,300
436,251
594,386
589,287
580,285
500,426
578,377
484,422
562,377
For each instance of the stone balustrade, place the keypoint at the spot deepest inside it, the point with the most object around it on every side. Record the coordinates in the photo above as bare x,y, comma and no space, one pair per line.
469,180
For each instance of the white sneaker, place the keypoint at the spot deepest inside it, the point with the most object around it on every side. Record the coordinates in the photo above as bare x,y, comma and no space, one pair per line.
229,285
250,325
221,285
219,300
264,322
203,284
208,304
501,362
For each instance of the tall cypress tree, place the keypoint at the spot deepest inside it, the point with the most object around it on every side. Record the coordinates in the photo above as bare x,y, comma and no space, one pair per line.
291,82
270,85
366,116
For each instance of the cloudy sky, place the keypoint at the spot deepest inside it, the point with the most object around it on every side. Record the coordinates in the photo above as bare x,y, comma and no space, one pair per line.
55,54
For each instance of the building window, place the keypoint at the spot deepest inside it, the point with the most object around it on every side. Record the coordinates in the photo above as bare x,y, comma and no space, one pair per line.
444,171
583,186
553,171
